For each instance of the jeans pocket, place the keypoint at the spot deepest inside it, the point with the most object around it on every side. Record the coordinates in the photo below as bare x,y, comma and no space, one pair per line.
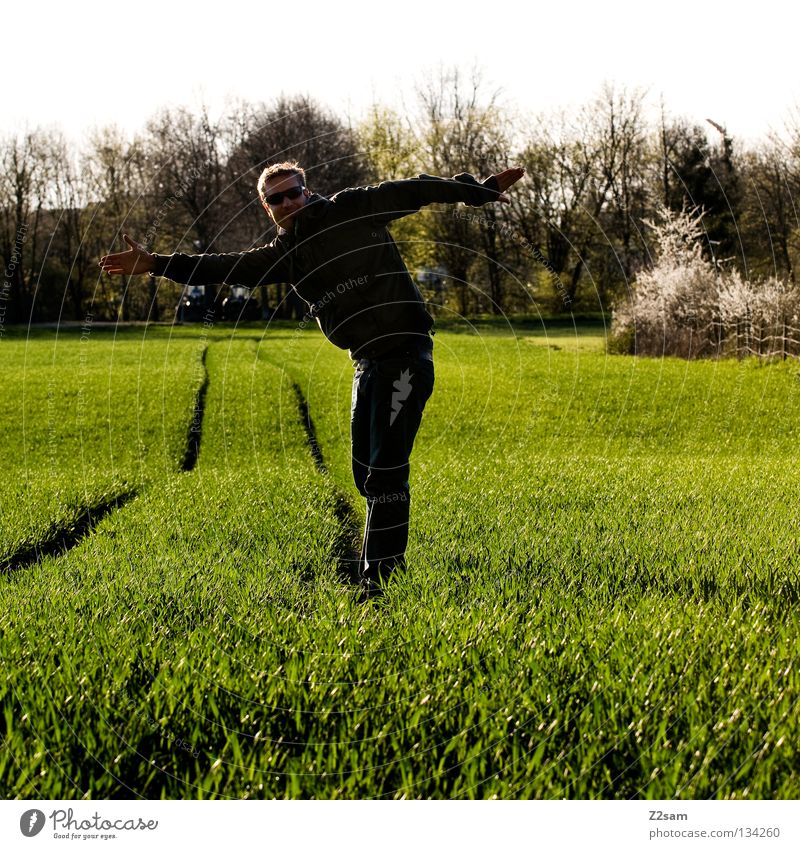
425,376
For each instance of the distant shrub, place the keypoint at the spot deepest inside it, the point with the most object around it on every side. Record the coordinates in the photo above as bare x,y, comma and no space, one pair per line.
685,306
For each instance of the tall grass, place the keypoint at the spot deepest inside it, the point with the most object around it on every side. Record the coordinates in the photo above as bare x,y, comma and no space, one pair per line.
601,599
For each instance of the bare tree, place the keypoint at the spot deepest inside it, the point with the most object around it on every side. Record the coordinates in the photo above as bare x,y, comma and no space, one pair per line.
24,173
585,193
618,196
461,127
550,207
185,152
76,241
114,193
768,218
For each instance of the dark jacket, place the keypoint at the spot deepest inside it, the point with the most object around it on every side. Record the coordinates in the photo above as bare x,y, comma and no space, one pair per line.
343,262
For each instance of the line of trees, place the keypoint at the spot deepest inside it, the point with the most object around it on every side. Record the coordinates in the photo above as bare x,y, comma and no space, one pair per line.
573,237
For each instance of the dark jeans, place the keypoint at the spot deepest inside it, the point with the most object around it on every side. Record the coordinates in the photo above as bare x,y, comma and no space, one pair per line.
389,395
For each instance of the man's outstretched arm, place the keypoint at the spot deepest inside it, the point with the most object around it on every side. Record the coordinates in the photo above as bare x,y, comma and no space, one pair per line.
248,268
396,198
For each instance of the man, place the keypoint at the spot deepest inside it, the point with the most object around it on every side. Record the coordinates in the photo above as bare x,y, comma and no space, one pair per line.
339,256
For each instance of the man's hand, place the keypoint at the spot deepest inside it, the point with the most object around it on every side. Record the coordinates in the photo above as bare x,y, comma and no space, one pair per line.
135,261
507,178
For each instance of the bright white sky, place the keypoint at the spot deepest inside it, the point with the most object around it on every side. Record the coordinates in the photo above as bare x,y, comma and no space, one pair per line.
76,64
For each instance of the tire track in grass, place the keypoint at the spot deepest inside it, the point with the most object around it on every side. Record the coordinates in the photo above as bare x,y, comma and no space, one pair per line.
66,536
196,427
347,542
311,431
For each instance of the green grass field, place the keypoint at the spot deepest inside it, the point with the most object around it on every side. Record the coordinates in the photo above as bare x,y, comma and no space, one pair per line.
601,599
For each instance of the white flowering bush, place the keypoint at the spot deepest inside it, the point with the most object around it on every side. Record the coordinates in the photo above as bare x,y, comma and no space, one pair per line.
685,306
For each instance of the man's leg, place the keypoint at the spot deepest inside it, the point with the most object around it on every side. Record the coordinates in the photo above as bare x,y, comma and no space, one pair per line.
360,423
398,391
360,426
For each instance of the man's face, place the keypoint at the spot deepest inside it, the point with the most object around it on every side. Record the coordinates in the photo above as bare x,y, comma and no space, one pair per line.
283,213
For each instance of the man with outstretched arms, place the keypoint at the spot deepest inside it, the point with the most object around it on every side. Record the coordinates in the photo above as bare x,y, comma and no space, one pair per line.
339,256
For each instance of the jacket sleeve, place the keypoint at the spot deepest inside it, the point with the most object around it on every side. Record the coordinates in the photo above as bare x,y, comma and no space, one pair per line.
248,268
396,198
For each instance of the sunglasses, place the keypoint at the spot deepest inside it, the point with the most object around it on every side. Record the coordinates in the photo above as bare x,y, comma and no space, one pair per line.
277,198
